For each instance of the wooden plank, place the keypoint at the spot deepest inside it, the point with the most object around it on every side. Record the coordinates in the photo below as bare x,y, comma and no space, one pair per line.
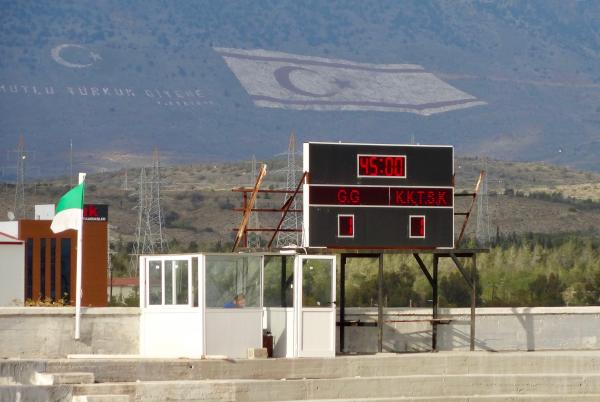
464,226
248,211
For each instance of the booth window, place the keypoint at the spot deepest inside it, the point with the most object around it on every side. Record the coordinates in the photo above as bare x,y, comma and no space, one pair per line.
231,276
195,289
168,282
155,293
316,283
180,275
278,281
171,286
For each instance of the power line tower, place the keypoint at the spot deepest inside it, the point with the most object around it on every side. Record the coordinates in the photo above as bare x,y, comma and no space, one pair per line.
254,237
71,163
20,209
482,231
149,232
125,185
139,245
292,219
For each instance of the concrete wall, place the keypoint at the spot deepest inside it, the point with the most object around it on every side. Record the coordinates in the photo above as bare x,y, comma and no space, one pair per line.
496,329
231,331
49,331
172,331
12,274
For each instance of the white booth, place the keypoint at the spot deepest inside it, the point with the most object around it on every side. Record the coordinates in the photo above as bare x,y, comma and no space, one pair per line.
12,271
299,300
221,304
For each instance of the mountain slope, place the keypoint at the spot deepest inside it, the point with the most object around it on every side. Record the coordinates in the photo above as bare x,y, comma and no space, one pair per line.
120,79
197,200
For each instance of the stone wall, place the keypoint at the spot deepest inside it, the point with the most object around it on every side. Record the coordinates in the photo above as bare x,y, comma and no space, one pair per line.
49,331
496,329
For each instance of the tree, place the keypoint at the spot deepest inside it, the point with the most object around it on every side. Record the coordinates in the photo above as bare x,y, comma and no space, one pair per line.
588,292
457,291
192,247
547,290
398,287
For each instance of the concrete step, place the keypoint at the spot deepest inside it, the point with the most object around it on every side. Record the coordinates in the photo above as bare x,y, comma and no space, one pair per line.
35,393
432,386
21,370
63,378
478,398
7,381
101,398
126,370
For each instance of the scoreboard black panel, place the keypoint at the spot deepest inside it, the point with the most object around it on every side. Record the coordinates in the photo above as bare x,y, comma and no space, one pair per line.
378,196
336,163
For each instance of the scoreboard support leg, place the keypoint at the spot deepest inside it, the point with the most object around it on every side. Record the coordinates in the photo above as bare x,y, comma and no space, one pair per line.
342,302
435,300
471,279
342,298
433,281
468,272
473,299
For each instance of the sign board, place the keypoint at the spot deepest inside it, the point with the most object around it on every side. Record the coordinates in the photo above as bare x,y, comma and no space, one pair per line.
44,212
95,212
378,196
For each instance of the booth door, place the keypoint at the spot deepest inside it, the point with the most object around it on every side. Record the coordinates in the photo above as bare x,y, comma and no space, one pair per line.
315,301
171,321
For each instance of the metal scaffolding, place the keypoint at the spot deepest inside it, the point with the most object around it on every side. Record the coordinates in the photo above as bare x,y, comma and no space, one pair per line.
254,239
482,228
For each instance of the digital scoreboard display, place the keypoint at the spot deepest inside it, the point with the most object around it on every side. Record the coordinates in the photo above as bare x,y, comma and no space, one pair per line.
378,196
381,166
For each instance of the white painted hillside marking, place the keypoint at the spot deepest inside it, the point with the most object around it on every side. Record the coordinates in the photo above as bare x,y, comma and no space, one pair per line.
289,81
56,54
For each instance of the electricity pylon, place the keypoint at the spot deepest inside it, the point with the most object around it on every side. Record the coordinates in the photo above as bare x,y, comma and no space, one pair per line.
20,210
149,232
292,219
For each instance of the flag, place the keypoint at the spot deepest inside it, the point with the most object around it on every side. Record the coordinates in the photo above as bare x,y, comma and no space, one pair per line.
290,81
69,210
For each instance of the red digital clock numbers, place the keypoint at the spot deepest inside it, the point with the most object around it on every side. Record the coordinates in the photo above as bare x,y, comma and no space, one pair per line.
381,166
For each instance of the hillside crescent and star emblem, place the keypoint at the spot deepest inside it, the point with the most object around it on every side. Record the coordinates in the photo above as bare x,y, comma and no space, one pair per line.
283,76
58,57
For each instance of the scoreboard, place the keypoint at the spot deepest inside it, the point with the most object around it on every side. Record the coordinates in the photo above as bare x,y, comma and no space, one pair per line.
378,196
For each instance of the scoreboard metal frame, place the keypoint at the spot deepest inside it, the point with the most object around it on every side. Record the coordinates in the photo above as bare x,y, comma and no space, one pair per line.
378,196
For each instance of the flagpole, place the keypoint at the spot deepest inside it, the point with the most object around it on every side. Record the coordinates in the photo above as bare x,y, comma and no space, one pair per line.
79,261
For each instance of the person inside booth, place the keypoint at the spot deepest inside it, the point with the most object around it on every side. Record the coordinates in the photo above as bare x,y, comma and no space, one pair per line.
239,301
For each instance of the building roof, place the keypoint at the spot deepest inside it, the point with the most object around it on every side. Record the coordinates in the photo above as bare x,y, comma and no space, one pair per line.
125,281
8,239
